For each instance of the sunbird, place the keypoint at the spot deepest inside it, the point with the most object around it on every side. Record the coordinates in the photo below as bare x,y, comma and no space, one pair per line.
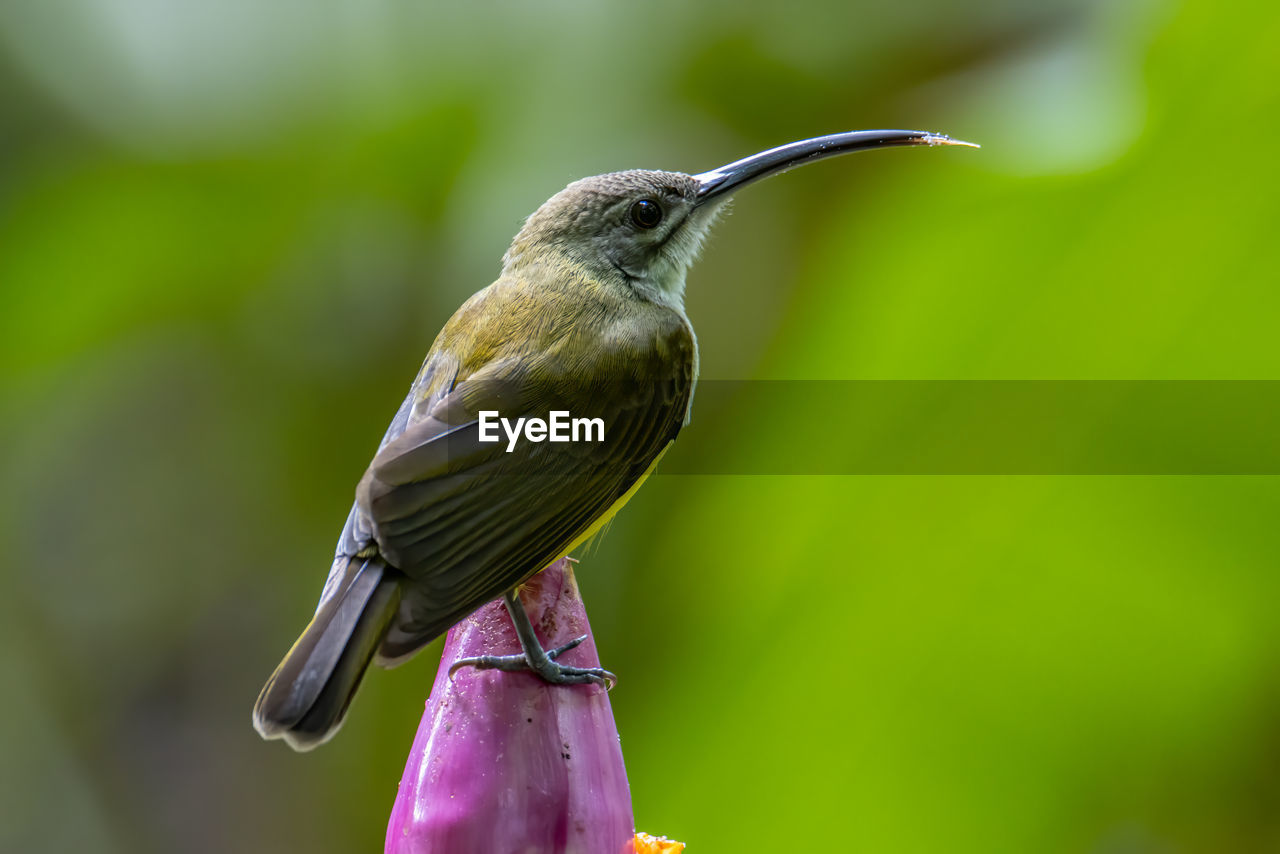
586,321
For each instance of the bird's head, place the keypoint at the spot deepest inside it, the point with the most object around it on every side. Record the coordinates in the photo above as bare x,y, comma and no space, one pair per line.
644,228
640,227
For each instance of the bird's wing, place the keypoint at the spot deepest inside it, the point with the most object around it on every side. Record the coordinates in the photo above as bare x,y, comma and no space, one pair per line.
434,380
466,519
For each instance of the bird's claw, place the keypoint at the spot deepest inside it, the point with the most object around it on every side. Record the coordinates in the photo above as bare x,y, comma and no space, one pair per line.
547,669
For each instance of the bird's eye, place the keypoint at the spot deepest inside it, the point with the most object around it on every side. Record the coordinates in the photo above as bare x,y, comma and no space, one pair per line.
646,213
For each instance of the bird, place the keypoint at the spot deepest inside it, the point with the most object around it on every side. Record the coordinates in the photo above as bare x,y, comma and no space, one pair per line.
586,319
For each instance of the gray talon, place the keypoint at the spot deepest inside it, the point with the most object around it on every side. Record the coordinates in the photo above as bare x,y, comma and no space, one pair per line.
536,659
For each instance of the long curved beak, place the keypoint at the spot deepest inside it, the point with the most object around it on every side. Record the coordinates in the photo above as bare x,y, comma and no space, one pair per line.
726,179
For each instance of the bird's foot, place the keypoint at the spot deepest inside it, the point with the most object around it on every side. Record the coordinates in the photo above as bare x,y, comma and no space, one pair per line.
543,665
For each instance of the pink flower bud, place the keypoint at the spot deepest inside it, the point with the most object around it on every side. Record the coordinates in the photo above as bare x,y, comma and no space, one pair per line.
504,762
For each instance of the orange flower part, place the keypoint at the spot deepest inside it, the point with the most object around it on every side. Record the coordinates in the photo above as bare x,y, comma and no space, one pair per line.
646,844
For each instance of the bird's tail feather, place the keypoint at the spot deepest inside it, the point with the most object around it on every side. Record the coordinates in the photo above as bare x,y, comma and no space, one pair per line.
306,698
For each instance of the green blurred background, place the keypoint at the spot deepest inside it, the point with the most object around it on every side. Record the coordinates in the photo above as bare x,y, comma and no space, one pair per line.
229,232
